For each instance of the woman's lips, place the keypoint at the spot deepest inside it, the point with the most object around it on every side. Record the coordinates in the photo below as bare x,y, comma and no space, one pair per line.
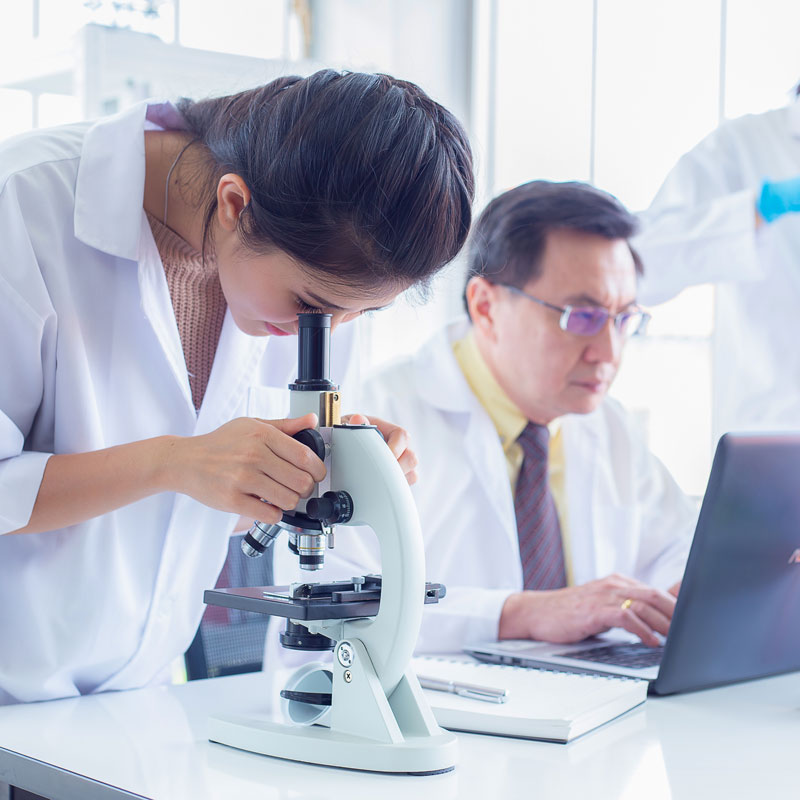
273,331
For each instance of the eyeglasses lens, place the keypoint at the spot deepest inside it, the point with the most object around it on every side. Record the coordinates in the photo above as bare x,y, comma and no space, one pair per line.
590,321
586,321
631,323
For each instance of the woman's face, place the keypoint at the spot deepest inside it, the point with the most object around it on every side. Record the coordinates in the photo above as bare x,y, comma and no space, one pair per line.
265,293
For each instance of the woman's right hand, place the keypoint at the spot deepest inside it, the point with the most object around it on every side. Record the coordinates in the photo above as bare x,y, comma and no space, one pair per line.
251,467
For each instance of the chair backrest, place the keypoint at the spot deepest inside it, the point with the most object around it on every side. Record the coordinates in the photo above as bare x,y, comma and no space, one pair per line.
230,641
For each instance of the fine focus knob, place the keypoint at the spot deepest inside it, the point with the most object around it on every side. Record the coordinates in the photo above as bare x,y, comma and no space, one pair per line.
332,508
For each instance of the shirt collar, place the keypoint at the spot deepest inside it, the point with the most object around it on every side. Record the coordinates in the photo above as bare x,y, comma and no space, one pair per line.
109,192
508,420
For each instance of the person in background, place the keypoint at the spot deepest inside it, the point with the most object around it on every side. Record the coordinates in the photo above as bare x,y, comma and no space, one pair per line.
152,269
727,214
543,512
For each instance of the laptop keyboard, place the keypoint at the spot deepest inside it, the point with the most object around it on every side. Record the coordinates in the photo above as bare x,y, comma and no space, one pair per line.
635,656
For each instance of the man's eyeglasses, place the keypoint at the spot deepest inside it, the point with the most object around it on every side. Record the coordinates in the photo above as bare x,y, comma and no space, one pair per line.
590,320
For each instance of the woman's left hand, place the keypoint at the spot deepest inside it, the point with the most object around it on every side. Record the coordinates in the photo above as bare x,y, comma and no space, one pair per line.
397,439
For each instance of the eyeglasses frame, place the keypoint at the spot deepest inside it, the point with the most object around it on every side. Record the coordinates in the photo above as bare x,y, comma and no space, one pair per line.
565,311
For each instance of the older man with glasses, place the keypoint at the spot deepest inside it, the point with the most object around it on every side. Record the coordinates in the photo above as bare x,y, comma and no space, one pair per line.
543,512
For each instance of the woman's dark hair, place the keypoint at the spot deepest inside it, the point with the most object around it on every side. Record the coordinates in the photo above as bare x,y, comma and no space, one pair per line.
361,177
509,238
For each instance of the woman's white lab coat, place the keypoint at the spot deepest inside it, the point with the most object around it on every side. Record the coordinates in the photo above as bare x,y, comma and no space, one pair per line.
90,357
625,512
701,229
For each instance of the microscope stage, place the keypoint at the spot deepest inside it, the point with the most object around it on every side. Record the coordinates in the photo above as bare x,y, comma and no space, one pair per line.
312,601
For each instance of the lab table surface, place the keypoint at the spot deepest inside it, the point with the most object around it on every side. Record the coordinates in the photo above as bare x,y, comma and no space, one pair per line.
739,741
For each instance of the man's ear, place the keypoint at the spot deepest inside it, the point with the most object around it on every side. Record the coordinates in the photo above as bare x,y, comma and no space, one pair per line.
232,197
482,304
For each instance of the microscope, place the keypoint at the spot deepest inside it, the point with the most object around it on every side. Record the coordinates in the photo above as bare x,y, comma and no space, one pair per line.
366,711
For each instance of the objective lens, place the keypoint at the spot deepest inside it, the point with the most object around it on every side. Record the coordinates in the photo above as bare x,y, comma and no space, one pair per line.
310,548
259,538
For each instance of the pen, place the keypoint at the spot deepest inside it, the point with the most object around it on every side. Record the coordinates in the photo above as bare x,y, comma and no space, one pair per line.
464,689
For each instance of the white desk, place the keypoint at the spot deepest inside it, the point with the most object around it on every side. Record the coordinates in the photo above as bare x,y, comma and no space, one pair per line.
735,742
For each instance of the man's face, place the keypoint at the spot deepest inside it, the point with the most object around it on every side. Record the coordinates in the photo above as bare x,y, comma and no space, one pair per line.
546,371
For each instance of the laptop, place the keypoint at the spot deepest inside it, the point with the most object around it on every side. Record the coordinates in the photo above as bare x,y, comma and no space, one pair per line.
738,613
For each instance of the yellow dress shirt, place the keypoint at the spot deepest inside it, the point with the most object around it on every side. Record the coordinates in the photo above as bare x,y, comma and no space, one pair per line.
509,422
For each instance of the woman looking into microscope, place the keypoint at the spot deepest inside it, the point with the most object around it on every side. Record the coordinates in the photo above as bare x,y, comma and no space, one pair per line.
153,263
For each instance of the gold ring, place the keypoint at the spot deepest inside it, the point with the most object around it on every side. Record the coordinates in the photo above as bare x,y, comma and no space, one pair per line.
626,603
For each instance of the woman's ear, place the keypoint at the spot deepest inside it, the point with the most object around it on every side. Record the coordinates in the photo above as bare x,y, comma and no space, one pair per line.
232,198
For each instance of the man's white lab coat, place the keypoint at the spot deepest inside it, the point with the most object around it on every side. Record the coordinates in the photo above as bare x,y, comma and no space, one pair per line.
625,512
701,229
90,357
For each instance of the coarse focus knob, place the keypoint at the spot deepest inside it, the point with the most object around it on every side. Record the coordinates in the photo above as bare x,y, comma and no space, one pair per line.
313,440
332,508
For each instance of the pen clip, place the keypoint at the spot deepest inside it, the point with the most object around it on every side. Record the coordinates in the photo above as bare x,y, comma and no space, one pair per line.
487,695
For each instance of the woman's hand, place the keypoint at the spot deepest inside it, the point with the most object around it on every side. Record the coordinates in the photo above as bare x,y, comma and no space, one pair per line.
232,468
251,467
397,439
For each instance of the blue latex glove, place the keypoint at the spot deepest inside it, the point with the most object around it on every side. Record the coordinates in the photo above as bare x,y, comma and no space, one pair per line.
778,198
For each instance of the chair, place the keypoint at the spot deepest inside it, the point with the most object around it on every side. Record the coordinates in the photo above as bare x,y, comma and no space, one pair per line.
230,641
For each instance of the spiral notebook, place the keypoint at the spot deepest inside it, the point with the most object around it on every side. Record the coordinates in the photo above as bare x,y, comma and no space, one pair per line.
541,704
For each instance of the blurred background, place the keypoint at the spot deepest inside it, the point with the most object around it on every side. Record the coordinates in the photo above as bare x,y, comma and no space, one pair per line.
606,91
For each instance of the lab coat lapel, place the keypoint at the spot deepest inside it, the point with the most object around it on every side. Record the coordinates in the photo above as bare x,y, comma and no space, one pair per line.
581,460
443,385
488,463
235,369
157,308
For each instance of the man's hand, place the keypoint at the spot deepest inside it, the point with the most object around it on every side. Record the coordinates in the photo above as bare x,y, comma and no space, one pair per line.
572,614
397,439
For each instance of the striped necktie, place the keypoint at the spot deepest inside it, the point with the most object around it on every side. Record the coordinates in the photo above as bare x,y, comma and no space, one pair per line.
540,547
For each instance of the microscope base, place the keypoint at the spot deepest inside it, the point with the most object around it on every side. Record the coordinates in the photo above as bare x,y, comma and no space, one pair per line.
314,744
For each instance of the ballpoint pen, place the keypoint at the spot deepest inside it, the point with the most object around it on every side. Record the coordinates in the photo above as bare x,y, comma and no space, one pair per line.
470,690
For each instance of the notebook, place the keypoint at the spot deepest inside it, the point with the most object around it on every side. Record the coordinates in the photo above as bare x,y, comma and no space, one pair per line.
541,704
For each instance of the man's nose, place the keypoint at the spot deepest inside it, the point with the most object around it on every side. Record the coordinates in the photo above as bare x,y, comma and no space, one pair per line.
606,344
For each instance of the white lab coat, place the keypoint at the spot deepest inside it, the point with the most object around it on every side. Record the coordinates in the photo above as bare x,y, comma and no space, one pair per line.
90,357
625,512
701,229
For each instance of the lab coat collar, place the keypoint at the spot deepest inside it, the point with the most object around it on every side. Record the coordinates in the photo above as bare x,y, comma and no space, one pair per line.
794,117
109,192
441,382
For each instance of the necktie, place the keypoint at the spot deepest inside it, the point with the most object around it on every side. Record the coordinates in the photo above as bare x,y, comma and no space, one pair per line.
540,547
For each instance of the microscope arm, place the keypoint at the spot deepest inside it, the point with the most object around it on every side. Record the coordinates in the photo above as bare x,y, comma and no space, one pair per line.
363,466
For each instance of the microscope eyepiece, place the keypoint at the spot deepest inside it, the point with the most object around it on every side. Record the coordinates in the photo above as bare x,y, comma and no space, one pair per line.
313,353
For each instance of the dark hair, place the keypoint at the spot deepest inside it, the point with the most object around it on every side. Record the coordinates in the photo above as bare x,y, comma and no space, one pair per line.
509,238
361,177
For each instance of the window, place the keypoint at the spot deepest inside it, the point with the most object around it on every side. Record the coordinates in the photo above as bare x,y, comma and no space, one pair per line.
613,92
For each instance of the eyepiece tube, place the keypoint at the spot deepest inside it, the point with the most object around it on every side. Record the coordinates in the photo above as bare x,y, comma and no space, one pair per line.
313,352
